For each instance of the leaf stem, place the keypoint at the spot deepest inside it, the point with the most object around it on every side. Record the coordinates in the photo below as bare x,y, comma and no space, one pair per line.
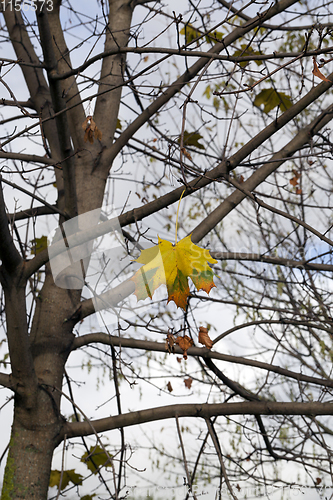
177,216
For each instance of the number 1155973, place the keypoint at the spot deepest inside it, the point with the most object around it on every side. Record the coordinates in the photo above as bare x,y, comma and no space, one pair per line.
25,5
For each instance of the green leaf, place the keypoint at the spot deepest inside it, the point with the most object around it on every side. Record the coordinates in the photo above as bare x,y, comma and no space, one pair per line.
119,125
67,476
214,37
270,98
3,360
190,33
280,287
88,497
192,139
216,103
38,245
225,104
246,51
207,92
96,458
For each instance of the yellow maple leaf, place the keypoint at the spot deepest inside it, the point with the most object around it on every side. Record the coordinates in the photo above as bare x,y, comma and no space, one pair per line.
172,265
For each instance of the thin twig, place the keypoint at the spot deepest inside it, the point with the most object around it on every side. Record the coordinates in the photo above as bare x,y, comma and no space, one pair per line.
188,475
62,466
187,100
219,454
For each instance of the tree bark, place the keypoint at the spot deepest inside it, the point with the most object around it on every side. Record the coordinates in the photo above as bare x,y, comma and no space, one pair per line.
33,439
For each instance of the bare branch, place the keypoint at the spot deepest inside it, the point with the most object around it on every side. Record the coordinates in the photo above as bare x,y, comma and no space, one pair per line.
112,75
194,410
61,119
256,257
103,338
275,27
6,381
190,74
52,208
23,104
31,212
188,53
28,158
263,172
9,255
70,90
261,203
40,97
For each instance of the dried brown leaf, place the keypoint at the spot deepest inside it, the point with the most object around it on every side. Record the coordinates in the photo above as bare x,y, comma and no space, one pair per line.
316,71
85,123
169,343
187,154
184,343
169,387
294,180
188,382
91,130
92,124
204,337
88,136
98,134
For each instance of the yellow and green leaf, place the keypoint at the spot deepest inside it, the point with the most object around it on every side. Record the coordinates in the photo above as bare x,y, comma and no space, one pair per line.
38,245
172,265
245,50
67,477
96,458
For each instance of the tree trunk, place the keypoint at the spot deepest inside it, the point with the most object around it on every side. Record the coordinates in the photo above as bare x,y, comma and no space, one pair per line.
31,448
37,419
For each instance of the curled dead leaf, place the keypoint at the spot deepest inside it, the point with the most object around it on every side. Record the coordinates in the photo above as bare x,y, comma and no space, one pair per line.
91,130
187,154
184,343
169,343
294,180
316,71
169,387
204,337
188,382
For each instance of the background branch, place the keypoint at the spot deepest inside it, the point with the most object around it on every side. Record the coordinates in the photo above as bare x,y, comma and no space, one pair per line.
9,255
203,352
205,410
6,381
